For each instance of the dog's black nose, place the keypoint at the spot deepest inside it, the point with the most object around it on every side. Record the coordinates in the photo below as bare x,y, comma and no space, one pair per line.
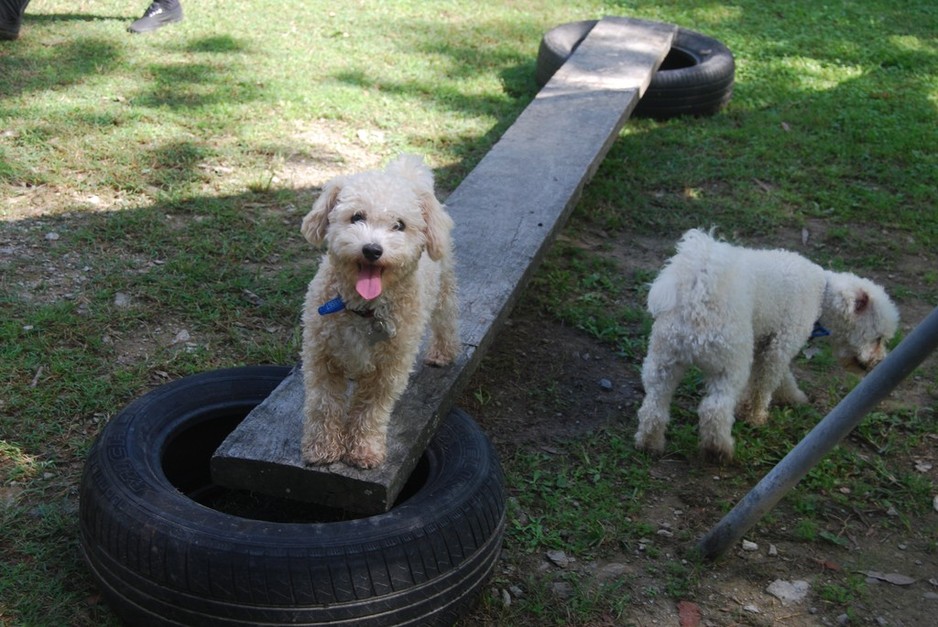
372,252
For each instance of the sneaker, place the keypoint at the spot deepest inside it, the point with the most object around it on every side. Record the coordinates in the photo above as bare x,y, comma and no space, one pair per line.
156,16
11,14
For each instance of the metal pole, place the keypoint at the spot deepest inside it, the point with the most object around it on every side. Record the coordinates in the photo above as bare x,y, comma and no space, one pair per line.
835,426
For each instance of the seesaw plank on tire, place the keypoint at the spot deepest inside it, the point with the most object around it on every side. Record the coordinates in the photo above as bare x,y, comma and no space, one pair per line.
507,212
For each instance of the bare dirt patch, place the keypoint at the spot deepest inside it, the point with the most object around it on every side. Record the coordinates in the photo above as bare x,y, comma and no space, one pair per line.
543,383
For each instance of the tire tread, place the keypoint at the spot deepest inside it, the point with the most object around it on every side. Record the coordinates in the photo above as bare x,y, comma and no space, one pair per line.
162,559
701,89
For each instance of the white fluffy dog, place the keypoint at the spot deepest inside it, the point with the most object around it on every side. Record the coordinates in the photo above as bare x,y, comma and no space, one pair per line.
741,315
387,275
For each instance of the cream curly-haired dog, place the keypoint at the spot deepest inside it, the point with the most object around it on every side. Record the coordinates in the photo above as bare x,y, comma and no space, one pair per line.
741,316
387,274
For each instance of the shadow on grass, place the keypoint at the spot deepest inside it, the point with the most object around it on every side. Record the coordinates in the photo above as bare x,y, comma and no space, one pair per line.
217,43
231,270
33,67
193,86
836,128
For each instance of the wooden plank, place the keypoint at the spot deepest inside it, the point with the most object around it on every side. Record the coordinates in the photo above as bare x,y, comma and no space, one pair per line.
507,212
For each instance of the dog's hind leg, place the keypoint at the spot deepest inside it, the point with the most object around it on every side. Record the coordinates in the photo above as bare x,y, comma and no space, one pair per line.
771,375
788,392
661,373
726,380
444,332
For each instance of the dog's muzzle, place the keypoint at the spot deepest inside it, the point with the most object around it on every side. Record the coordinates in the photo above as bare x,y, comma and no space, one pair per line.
372,252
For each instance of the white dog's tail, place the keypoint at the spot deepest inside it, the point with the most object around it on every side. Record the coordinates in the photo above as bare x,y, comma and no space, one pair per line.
688,276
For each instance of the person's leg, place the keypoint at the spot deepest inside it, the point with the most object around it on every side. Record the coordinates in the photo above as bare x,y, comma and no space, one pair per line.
158,14
11,14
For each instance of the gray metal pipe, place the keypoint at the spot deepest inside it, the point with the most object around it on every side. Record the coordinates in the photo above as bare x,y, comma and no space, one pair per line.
831,430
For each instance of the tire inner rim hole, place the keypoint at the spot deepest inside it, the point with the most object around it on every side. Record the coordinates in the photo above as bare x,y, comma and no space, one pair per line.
186,462
677,59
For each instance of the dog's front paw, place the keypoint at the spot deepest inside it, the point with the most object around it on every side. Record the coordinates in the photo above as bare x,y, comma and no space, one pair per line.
369,453
314,455
717,451
651,427
750,415
791,397
443,349
651,442
718,457
437,359
317,450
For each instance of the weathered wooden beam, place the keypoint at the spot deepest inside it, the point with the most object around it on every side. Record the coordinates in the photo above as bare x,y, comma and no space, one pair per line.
507,212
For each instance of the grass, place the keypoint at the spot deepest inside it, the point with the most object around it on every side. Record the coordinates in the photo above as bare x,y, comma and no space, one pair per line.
153,185
587,291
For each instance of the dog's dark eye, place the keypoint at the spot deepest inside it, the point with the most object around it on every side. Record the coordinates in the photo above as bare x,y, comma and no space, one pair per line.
399,225
358,217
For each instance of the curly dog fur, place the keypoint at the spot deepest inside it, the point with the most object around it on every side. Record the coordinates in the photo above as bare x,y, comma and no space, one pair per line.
387,275
741,316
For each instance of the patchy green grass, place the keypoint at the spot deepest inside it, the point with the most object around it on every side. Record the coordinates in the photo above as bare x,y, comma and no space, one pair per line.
588,292
151,189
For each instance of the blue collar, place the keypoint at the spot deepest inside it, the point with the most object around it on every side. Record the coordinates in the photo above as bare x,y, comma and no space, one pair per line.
337,304
333,306
818,330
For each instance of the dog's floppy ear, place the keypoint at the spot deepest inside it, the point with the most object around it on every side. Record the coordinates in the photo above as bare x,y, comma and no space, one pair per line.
854,301
439,225
853,298
316,221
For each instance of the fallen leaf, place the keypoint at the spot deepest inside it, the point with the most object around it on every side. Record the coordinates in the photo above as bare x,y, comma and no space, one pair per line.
828,565
252,298
810,352
688,614
894,578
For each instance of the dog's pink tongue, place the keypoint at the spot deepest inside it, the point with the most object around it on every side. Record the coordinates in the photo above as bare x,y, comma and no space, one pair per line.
368,285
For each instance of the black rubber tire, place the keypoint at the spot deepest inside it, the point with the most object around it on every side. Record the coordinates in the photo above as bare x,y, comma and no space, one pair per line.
163,552
696,78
